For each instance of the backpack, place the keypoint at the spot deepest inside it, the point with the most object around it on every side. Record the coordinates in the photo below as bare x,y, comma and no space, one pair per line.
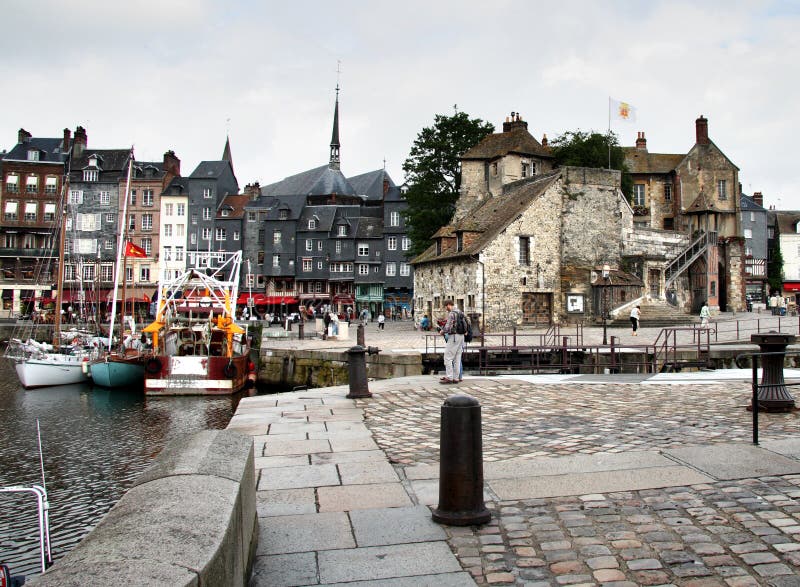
463,327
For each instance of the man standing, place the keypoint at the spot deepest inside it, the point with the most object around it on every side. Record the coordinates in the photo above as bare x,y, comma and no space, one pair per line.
704,314
636,314
455,343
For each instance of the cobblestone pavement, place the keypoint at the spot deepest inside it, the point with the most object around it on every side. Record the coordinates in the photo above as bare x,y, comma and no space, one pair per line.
736,533
523,419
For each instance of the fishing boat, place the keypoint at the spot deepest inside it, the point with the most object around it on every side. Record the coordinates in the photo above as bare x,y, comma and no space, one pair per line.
198,349
121,367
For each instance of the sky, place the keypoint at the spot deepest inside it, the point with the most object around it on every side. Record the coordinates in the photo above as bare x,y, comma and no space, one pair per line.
184,74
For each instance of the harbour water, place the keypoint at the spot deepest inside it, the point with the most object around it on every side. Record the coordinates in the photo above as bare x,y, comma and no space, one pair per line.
95,443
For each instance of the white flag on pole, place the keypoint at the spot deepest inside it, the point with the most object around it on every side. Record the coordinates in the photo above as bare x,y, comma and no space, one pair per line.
621,111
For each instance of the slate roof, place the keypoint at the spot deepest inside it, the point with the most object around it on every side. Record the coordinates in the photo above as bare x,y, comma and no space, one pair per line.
319,181
748,203
787,221
177,187
51,150
109,159
640,161
370,184
703,203
324,216
369,227
210,169
517,140
491,217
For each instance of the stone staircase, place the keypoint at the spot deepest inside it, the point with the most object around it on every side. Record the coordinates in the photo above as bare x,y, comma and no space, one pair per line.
657,314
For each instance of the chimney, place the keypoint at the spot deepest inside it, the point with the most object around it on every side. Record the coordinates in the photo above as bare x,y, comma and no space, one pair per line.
385,185
641,142
515,122
172,164
79,143
65,146
253,190
758,198
23,136
701,130
544,140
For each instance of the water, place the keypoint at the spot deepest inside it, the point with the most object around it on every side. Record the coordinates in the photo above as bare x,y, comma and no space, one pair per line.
95,442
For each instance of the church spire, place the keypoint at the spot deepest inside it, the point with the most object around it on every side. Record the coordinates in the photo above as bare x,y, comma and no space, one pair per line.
334,161
226,153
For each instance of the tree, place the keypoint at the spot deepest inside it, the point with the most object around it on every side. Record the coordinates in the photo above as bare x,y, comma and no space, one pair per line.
775,268
583,149
433,173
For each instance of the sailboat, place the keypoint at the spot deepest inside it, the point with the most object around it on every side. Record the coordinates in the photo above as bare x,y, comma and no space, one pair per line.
42,365
198,348
124,367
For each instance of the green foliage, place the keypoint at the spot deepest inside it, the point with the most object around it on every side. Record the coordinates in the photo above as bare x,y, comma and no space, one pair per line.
775,268
582,149
433,173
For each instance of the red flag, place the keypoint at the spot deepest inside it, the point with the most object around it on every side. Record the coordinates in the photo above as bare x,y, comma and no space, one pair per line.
131,250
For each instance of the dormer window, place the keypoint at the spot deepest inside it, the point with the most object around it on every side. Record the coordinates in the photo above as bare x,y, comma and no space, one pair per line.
225,212
342,230
439,246
90,175
526,169
312,224
283,214
33,155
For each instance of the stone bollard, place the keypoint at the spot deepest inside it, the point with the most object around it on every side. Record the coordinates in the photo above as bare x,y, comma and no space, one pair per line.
358,371
360,334
301,327
772,393
461,464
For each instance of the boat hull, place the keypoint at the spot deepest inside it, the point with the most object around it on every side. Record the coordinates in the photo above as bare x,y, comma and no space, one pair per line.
52,369
197,375
117,372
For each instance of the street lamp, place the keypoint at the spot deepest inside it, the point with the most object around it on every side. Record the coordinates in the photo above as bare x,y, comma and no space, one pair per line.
606,272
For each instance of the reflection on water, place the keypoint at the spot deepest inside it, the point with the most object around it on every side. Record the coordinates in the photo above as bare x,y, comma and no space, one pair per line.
95,443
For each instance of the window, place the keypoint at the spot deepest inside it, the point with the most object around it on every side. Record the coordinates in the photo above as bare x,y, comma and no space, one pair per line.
748,251
319,245
167,209
391,243
110,218
147,245
283,215
132,222
669,223
526,169
405,269
638,194
319,265
363,250
391,269
748,233
133,198
32,184
30,211
193,238
167,230
307,266
722,189
338,246
276,260
108,244
752,216
221,234
276,237
236,235
363,269
494,169
207,193
90,175
667,192
309,244
88,272
394,219
181,229
341,230
226,212
251,216
168,253
405,243
10,240
524,250
11,210
12,185
33,155
106,272
51,185
179,253
206,213
312,224
181,208
317,287
459,241
76,196
69,272
206,234
49,212
147,222
144,273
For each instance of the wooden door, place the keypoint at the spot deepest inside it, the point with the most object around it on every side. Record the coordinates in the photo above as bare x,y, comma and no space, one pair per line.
537,308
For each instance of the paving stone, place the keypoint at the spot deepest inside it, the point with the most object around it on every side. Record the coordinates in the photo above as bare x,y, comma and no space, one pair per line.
644,564
304,533
284,569
382,526
343,498
285,502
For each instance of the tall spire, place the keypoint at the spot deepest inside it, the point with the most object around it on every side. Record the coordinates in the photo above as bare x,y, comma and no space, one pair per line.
334,162
226,153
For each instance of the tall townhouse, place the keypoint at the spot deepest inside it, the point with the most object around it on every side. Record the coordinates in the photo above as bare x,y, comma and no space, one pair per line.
174,229
754,231
207,187
33,177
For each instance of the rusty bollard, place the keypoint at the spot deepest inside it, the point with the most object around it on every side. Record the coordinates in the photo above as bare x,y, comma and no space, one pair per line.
360,334
358,370
301,327
772,393
461,464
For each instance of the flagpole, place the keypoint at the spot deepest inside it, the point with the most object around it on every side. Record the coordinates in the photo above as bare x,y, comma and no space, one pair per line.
608,138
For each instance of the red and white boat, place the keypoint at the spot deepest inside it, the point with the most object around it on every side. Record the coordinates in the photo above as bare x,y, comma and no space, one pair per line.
198,349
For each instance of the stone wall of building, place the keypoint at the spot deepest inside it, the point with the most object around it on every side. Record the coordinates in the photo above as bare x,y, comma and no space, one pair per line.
700,172
735,262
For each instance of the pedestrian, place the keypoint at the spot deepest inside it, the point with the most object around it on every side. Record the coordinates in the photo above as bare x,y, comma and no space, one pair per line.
636,313
704,315
773,303
453,332
381,321
326,320
334,324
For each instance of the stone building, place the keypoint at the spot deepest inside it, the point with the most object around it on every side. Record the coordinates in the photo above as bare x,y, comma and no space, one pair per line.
754,232
695,194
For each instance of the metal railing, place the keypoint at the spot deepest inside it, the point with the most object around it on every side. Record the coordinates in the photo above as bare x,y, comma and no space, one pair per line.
688,256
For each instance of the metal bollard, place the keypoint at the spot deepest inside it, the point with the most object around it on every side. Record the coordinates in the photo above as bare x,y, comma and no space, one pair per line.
360,334
772,393
461,464
358,371
301,327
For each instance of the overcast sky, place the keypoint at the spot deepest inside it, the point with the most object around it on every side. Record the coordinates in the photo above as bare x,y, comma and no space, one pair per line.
180,74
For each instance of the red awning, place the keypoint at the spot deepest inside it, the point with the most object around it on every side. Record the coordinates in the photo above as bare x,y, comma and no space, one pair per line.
791,286
265,300
70,296
343,299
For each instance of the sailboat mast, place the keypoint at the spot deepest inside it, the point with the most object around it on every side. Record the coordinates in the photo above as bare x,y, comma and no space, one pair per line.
120,248
62,239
